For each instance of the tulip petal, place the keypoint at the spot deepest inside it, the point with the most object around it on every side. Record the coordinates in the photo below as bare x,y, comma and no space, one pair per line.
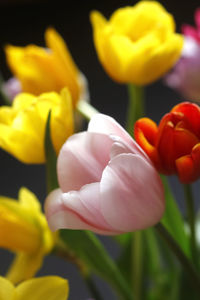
145,132
137,52
191,112
24,266
77,210
125,204
188,166
184,141
104,124
82,160
7,290
126,18
48,287
99,24
66,72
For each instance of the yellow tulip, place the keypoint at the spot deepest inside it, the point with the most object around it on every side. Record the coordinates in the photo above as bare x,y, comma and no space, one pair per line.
138,44
22,126
24,230
41,70
47,287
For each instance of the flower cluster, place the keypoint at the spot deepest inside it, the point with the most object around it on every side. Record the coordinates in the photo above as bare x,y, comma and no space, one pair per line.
186,73
105,180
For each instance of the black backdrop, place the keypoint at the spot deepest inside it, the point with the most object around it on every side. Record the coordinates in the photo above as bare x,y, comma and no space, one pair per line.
24,22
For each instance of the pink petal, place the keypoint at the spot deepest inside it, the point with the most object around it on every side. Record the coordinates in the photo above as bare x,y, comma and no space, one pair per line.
104,124
82,160
77,210
190,31
120,146
131,193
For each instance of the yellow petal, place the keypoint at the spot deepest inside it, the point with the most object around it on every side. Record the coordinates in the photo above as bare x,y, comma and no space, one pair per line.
29,201
32,66
16,232
7,290
22,126
24,266
100,32
134,39
41,70
62,124
157,63
49,287
57,45
24,229
140,19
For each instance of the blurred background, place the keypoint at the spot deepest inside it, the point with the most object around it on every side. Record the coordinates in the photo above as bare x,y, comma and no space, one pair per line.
23,22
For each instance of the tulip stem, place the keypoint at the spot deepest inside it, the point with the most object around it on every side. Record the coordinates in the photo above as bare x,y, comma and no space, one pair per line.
3,96
137,261
62,251
185,262
86,109
191,220
92,288
135,108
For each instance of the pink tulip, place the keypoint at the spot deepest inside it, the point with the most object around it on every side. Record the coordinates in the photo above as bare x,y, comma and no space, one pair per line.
193,32
107,183
185,76
11,88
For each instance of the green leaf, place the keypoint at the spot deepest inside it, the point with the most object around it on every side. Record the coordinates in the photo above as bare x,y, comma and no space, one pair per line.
173,220
162,268
51,159
90,250
3,97
159,270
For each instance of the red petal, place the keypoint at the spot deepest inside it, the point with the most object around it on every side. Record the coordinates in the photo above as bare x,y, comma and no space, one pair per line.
184,141
145,133
149,129
172,118
188,167
165,147
191,112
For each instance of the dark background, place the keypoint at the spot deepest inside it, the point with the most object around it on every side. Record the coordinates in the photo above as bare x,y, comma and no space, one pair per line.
24,22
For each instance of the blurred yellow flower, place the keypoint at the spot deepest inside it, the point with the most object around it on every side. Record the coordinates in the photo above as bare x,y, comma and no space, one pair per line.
22,126
24,230
41,70
47,287
138,44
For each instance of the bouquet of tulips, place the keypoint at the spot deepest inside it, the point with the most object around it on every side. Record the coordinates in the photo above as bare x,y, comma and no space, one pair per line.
107,180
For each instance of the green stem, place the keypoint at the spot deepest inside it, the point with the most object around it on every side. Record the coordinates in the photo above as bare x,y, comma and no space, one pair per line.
135,111
135,107
186,264
3,96
88,248
62,251
86,109
191,220
137,260
50,155
92,288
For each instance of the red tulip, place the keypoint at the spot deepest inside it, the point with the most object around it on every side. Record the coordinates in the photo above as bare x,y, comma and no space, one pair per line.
173,145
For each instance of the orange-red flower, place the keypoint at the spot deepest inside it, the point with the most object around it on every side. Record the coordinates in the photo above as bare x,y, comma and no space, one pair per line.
173,145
